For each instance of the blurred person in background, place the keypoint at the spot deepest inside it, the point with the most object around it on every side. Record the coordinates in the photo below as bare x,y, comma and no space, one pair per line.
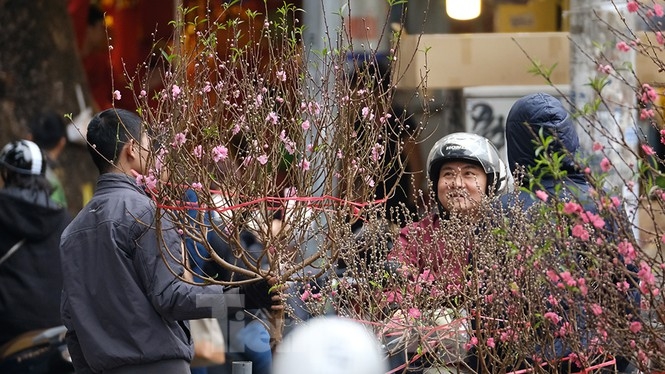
49,131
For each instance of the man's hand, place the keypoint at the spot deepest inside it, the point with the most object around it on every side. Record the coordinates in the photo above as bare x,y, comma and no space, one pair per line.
263,294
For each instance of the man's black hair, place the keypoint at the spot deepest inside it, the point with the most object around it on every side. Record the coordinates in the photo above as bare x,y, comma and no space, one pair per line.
95,14
107,134
48,129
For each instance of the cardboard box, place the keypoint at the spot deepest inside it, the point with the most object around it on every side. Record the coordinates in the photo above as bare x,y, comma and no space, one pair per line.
651,221
484,59
446,61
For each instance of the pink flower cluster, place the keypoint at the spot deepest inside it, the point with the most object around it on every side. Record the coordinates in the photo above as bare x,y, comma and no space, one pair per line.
649,94
552,317
626,250
149,182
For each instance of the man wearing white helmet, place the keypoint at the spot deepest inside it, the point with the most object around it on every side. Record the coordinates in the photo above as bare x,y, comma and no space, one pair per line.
464,170
30,226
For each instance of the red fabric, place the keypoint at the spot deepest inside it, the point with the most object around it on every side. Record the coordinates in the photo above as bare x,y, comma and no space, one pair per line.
78,13
134,23
416,247
98,71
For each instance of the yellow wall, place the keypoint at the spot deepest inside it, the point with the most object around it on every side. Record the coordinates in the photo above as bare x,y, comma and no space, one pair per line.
535,15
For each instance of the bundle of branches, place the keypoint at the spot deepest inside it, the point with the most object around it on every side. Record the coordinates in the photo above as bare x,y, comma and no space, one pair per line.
256,134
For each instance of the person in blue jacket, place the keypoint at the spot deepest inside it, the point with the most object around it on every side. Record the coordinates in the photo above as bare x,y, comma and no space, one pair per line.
246,334
530,116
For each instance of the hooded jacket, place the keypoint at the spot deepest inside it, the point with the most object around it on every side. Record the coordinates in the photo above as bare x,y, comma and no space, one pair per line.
527,117
30,279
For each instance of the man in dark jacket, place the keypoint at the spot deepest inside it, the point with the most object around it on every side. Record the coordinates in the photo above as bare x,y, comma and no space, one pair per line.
124,307
30,228
529,118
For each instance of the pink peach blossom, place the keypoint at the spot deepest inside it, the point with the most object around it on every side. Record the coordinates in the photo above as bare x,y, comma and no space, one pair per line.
414,313
623,47
646,113
178,140
552,275
648,150
552,317
198,151
632,6
572,207
219,153
542,195
625,249
175,91
580,232
658,9
272,118
304,164
281,75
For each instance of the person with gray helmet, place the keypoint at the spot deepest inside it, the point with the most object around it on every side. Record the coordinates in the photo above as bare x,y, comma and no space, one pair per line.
30,227
464,170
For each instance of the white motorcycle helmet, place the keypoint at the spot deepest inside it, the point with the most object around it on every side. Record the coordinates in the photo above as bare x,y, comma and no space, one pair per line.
330,345
23,157
469,147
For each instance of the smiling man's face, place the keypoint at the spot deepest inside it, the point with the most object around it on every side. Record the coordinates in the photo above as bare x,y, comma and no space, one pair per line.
461,185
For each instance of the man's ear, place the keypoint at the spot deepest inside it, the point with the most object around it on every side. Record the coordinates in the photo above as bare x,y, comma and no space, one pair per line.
129,149
62,142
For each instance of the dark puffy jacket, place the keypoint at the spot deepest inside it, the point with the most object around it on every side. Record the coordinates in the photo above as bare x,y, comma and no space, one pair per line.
30,279
525,120
527,117
122,305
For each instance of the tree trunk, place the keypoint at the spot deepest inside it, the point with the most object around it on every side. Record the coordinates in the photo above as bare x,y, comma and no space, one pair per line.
40,69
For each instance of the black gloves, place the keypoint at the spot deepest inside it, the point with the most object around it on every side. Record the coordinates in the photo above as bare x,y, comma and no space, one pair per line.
258,295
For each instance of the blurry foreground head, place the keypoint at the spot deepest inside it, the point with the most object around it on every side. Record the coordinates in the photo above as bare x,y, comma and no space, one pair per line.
464,167
22,164
526,118
329,345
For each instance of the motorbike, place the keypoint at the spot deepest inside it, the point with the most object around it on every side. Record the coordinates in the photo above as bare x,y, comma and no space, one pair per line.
41,351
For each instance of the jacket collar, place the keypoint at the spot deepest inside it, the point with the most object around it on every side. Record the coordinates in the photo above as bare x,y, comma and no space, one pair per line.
118,180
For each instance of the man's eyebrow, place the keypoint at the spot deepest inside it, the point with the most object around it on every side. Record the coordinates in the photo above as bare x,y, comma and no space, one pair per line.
466,166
